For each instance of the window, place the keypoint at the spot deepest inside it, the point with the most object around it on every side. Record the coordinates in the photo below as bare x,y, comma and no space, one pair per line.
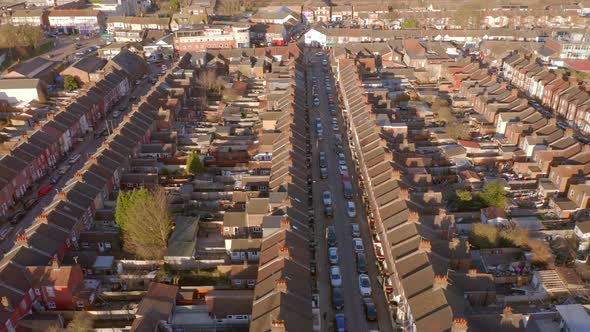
23,305
37,291
50,291
31,294
238,282
80,304
51,305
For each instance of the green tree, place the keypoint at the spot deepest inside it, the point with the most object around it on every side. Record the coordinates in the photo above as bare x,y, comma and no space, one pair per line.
147,223
82,322
409,23
464,195
70,83
493,194
469,15
125,200
484,236
193,164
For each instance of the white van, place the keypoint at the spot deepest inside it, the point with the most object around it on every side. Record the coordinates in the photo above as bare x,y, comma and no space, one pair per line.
74,159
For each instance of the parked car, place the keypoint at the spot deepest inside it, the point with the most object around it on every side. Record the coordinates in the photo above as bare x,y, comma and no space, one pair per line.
324,172
350,209
361,262
335,276
54,179
74,159
358,244
356,231
116,114
337,298
365,285
316,101
340,322
343,169
327,198
17,216
333,255
44,190
328,211
331,236
370,309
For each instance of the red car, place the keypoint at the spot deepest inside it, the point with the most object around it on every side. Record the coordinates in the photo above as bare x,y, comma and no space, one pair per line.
45,190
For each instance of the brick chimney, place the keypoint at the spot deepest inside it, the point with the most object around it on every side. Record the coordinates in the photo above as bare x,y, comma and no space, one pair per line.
459,325
425,246
440,282
22,239
285,224
396,174
413,216
50,116
78,175
472,273
514,92
41,218
24,138
61,195
277,325
504,84
404,194
281,285
284,252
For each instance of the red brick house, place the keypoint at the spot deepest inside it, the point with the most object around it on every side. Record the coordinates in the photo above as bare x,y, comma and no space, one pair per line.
61,287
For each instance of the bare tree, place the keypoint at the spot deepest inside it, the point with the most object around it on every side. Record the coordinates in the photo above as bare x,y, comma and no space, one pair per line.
228,7
147,225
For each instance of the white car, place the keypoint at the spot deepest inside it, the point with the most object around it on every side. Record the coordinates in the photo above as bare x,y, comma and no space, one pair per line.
343,169
358,244
356,230
333,255
334,121
335,128
316,101
365,285
335,277
351,209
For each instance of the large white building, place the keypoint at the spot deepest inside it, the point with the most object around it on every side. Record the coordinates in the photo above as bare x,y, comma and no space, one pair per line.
206,37
22,90
82,21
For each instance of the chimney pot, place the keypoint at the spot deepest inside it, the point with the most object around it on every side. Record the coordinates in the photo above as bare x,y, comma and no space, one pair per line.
472,272
440,282
6,303
413,216
282,285
425,246
285,224
284,252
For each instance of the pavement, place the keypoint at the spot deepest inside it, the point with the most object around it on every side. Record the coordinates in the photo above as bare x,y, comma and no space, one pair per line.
353,304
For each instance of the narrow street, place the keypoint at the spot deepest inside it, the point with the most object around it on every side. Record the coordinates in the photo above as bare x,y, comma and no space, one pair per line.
354,311
86,148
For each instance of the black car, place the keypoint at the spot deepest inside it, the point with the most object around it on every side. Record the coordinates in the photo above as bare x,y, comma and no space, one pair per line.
17,217
337,298
328,211
361,263
331,236
370,309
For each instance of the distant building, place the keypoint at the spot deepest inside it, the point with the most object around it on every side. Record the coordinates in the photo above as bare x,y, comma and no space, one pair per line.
84,69
202,38
116,7
17,91
82,21
36,17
